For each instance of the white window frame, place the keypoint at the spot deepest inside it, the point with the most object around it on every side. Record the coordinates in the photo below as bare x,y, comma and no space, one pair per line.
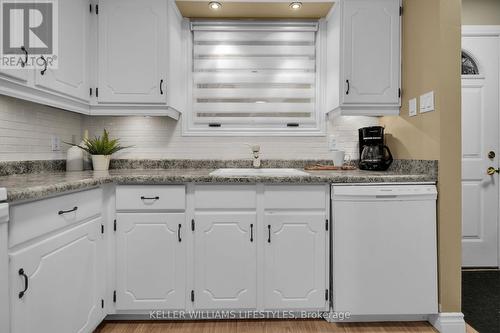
188,128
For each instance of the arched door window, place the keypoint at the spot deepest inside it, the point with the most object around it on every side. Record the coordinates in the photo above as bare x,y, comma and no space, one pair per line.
469,66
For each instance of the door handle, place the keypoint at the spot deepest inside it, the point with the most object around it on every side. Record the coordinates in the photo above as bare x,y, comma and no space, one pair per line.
269,233
348,87
23,63
179,233
44,65
161,87
21,273
251,232
491,171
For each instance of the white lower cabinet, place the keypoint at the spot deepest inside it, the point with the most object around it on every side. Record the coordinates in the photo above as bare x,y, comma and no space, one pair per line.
150,261
225,267
295,270
57,283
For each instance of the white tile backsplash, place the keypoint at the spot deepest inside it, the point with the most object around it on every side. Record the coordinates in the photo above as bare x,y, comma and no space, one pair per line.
26,129
160,137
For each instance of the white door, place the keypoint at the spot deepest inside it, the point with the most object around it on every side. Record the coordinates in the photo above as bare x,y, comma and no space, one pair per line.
295,261
480,126
225,261
71,76
62,277
151,261
371,52
132,51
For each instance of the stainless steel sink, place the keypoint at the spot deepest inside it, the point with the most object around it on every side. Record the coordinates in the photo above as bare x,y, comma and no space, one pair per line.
258,172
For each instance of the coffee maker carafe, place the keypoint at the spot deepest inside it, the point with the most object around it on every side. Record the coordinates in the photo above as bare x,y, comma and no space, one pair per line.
374,154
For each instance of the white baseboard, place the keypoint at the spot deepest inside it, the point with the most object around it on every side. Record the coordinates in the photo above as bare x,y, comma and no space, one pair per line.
448,322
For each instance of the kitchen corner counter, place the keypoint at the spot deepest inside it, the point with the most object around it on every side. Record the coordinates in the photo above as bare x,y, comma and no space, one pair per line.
33,186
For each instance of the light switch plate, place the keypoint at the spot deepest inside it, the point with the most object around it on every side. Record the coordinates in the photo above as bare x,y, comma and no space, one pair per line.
55,143
427,102
412,107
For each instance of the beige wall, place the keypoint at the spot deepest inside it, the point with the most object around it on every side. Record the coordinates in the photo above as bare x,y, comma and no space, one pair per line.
431,61
481,12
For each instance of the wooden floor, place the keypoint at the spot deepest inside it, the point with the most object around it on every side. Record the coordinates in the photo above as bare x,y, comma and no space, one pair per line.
267,326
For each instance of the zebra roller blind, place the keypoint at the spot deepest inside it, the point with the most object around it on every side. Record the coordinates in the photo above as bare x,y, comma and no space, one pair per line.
254,75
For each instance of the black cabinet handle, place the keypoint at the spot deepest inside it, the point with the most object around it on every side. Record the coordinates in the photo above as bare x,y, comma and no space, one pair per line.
348,87
23,63
44,65
161,87
269,233
179,233
251,232
61,212
21,273
150,198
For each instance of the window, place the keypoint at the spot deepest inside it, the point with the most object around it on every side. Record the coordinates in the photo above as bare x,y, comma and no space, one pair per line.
254,78
469,66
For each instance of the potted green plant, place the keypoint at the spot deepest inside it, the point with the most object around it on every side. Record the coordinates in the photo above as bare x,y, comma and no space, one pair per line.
101,149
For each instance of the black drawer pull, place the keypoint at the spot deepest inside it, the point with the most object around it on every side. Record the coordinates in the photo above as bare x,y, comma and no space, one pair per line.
150,198
269,233
251,232
348,87
179,233
61,212
21,273
161,87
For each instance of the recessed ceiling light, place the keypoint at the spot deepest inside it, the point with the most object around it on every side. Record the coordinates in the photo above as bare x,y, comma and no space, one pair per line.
295,5
214,5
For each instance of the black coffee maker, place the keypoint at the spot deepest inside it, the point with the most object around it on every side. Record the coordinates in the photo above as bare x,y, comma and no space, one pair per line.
374,154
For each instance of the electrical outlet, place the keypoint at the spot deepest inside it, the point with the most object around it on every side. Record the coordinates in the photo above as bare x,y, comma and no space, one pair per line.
332,142
55,143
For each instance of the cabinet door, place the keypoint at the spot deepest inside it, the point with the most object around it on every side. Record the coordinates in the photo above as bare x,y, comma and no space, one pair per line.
151,261
295,261
225,261
371,52
65,276
71,76
132,51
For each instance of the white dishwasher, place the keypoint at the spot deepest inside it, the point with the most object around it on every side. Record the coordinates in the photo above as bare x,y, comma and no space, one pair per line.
384,259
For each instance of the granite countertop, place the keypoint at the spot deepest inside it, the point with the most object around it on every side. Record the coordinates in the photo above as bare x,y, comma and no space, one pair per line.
32,186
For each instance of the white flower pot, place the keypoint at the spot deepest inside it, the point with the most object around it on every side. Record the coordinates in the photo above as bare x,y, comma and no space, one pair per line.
100,162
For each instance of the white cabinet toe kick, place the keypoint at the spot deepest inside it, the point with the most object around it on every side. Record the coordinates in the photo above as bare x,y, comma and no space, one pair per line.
199,251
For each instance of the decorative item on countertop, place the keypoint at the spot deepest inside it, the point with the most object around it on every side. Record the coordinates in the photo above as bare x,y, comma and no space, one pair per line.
87,159
101,149
321,167
74,159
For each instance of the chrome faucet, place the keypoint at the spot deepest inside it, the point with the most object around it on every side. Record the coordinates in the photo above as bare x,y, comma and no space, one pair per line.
256,155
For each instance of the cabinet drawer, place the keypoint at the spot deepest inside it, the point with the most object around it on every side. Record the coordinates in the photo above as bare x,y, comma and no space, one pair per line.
150,197
295,197
37,218
225,197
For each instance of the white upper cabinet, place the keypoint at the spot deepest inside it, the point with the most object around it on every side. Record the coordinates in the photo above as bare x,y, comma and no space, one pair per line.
56,283
366,69
144,283
225,273
132,51
295,274
71,78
